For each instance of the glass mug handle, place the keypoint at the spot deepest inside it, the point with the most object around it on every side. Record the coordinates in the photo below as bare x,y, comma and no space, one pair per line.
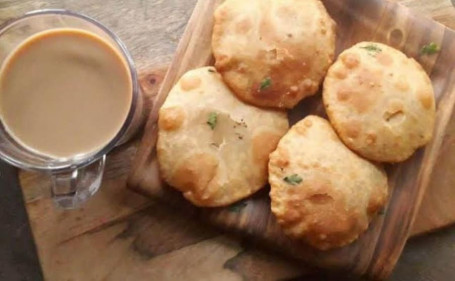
72,188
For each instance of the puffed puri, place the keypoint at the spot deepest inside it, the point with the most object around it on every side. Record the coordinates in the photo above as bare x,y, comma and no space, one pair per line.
273,53
322,192
211,146
380,102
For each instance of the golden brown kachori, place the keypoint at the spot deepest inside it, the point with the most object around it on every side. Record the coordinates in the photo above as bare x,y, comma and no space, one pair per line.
322,192
273,53
211,146
380,102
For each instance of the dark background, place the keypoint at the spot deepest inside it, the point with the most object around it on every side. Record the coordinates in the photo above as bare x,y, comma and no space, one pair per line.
18,259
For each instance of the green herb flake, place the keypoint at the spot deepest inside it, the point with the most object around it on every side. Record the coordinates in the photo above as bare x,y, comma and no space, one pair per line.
430,49
212,119
211,70
372,48
266,83
237,207
293,179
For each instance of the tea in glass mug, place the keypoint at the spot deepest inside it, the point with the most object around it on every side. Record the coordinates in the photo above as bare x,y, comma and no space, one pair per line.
68,95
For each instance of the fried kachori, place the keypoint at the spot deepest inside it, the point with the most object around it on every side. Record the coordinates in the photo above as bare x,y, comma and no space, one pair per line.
322,192
273,53
380,102
211,146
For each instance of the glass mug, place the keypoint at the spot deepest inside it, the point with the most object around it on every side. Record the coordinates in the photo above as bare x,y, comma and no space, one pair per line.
74,179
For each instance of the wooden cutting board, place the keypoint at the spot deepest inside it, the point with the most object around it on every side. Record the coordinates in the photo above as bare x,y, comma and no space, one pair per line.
129,236
376,252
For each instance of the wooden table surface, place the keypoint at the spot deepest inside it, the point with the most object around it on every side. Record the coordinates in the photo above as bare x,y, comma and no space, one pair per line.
120,235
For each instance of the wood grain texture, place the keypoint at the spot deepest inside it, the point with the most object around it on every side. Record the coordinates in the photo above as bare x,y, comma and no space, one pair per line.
149,29
196,42
437,209
97,242
376,252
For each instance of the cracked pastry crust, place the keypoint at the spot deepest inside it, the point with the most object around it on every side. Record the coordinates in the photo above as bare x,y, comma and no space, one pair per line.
380,102
211,146
322,192
273,53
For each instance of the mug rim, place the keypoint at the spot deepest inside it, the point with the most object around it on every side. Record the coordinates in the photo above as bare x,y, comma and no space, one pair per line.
73,163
